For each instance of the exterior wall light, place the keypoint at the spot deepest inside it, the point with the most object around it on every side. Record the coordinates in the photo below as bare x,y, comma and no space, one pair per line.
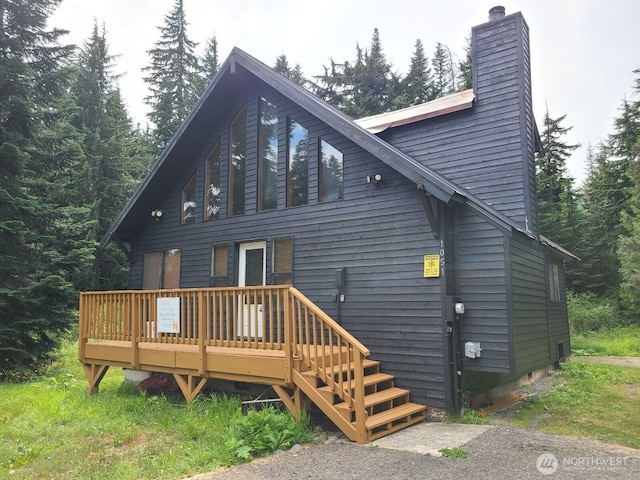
157,215
377,178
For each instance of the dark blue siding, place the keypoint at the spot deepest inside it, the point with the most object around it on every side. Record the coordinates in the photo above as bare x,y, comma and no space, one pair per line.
378,233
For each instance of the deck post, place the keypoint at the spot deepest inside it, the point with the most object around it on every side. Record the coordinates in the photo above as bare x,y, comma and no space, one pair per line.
361,416
135,332
202,332
288,335
83,327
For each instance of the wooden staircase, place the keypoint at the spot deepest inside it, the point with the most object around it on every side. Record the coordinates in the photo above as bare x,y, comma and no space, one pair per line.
290,344
386,408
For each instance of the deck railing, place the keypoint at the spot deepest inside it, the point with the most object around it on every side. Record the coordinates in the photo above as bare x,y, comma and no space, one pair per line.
268,318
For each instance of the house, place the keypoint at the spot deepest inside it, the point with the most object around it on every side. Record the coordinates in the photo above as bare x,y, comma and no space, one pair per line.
413,235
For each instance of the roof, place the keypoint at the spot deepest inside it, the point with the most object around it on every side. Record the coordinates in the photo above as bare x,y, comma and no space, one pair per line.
226,80
440,106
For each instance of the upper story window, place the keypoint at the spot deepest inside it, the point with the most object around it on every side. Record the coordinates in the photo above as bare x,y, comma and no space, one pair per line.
238,163
189,201
330,175
297,164
212,198
267,155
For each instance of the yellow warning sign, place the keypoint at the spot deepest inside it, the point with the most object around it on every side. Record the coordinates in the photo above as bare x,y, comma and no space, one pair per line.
432,266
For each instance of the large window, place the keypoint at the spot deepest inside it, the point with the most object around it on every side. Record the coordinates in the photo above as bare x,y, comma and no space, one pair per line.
161,269
267,156
331,165
237,164
189,201
212,184
297,164
282,261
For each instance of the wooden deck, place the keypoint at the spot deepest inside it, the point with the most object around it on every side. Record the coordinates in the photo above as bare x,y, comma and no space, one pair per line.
266,335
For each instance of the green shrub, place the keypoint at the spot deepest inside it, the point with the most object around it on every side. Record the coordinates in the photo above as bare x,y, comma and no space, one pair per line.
261,432
588,313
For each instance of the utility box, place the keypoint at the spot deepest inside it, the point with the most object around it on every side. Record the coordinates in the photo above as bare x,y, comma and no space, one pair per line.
472,349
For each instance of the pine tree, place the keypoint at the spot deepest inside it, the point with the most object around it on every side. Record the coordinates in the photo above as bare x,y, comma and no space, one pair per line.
35,147
465,70
626,144
605,195
365,86
114,158
294,74
443,72
173,77
417,85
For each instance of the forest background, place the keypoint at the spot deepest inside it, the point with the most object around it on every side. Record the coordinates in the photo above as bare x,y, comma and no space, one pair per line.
70,158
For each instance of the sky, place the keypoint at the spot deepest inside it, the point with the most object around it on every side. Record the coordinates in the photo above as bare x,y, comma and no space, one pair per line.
583,52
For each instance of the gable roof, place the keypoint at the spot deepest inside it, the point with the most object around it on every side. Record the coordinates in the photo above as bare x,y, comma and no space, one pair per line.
217,94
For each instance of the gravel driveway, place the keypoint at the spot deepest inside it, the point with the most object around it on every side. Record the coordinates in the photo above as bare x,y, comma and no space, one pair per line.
500,453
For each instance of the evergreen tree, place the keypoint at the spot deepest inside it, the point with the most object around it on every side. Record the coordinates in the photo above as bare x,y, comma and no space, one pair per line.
366,86
605,195
465,71
114,158
443,73
294,74
626,145
173,77
35,147
209,64
417,85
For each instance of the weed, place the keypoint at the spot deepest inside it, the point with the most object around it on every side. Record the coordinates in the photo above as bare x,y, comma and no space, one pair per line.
468,417
265,431
453,452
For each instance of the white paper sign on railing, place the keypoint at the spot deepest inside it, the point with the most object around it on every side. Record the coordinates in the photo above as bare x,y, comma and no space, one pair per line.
168,315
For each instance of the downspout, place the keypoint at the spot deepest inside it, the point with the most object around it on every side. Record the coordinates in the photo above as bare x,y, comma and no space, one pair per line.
440,225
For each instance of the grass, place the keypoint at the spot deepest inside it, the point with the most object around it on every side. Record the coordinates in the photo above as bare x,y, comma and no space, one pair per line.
621,341
593,400
51,428
454,452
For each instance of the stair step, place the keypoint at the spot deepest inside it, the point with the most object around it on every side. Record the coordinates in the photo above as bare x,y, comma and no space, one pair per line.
367,363
369,380
394,414
377,398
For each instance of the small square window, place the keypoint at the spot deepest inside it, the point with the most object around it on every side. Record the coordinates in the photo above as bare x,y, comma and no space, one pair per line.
282,261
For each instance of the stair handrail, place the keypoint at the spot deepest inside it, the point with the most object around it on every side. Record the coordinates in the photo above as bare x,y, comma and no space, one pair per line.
330,321
355,353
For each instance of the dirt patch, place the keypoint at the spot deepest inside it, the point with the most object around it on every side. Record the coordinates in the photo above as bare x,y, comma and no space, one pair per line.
620,361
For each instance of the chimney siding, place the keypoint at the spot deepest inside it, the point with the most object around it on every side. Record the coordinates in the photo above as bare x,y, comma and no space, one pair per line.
502,84
488,150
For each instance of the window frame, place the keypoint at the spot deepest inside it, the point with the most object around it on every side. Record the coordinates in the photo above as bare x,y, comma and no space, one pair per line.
185,218
232,171
265,203
281,277
219,280
211,157
322,195
291,152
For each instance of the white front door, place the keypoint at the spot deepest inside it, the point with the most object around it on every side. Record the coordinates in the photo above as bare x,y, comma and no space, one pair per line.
252,272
